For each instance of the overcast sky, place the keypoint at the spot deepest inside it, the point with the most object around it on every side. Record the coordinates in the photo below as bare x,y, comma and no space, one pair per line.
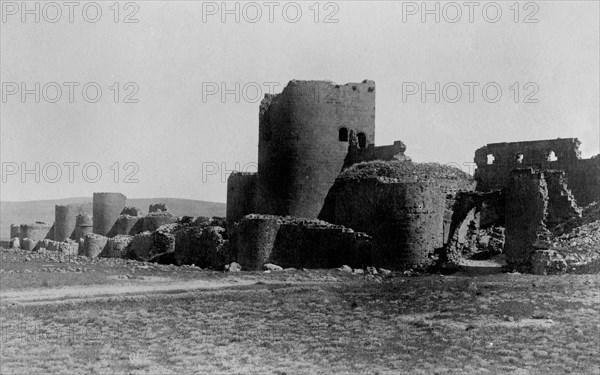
178,53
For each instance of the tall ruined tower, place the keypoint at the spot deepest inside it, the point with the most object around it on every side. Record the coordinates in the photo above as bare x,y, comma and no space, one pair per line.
303,140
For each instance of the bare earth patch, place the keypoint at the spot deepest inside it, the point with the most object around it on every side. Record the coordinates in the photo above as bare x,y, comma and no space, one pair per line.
300,322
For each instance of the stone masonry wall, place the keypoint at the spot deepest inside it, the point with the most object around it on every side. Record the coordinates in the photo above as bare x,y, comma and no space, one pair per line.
291,242
526,211
582,175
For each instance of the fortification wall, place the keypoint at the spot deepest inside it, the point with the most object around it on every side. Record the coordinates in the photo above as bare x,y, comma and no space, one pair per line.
106,210
406,219
241,193
535,202
291,242
303,141
496,161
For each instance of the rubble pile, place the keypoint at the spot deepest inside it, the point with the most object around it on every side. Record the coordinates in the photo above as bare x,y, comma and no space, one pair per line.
580,248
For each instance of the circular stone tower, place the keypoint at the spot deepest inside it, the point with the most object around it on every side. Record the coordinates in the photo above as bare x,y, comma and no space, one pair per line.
106,210
401,204
303,141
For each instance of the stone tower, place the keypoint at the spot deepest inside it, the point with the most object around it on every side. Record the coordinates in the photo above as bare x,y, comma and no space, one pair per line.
304,134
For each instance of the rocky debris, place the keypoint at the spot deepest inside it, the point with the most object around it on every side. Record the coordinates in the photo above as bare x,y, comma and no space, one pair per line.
201,221
402,171
157,207
165,258
68,247
185,220
358,271
589,214
15,243
149,245
28,244
131,211
272,267
345,268
117,247
548,262
205,246
372,271
580,248
233,267
93,245
384,271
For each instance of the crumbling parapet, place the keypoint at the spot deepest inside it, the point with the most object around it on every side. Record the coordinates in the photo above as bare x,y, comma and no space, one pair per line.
371,152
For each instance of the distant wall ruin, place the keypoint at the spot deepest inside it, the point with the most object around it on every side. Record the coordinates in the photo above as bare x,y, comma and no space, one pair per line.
496,161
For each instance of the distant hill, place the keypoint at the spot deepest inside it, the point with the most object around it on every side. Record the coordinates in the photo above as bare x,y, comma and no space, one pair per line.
32,211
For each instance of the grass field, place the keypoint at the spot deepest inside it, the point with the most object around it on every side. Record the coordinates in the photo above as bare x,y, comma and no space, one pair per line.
301,322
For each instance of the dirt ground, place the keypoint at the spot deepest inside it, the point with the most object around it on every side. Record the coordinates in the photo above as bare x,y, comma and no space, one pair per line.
75,315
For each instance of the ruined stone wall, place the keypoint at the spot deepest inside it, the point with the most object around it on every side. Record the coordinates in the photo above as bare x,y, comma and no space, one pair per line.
106,210
562,205
372,152
300,153
65,219
291,242
406,219
526,210
583,175
241,193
